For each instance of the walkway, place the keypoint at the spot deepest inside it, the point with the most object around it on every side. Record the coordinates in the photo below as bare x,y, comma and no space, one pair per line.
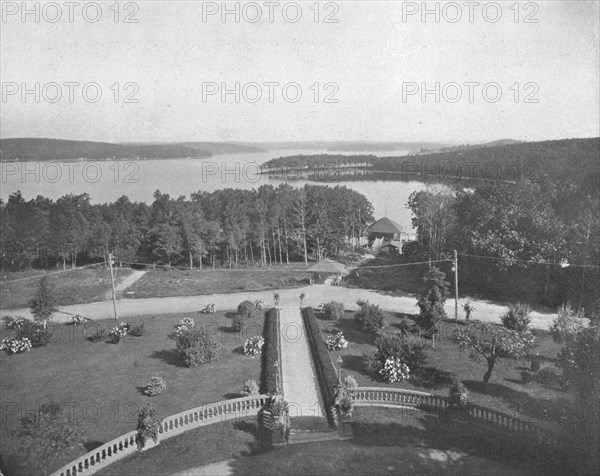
484,310
127,282
300,386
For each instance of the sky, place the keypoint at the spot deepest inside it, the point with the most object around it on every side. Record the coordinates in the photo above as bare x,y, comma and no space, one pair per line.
346,70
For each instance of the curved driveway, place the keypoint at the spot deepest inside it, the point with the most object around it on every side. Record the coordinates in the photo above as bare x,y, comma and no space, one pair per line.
484,310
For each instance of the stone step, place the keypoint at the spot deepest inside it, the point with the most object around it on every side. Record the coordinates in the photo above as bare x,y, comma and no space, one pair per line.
310,436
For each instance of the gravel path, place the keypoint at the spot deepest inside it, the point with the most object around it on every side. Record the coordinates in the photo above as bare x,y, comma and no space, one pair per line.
300,386
484,310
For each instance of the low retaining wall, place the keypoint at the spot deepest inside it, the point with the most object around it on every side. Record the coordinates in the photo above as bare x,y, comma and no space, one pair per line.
173,425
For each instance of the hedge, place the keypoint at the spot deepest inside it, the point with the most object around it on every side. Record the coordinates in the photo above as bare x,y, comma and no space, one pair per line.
326,372
270,353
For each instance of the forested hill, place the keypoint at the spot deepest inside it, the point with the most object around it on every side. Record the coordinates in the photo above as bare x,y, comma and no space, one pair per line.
28,149
576,161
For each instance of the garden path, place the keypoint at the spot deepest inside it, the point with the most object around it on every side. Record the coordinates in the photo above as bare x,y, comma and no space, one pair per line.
300,385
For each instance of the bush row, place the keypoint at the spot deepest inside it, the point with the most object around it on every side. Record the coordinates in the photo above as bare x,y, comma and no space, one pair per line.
327,375
270,353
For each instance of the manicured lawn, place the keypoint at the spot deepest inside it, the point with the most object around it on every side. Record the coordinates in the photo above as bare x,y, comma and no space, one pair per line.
504,392
386,441
104,382
74,287
161,282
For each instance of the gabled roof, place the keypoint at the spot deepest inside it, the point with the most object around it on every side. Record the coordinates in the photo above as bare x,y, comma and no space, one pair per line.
385,225
327,266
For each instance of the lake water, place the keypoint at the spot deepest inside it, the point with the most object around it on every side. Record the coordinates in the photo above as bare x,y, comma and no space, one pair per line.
107,181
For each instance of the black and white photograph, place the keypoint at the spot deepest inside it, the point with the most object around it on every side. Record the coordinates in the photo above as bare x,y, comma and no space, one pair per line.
297,238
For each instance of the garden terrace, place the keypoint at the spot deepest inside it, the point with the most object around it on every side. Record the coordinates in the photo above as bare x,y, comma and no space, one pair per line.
544,403
105,382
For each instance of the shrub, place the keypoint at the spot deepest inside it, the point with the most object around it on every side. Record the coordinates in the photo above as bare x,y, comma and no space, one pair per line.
34,332
394,370
147,425
15,346
409,349
336,342
99,335
350,382
118,332
346,406
250,388
137,330
517,317
326,371
184,325
550,377
372,362
155,386
431,301
253,346
370,318
270,353
196,347
77,319
535,363
239,323
457,394
404,328
333,310
526,377
246,309
566,326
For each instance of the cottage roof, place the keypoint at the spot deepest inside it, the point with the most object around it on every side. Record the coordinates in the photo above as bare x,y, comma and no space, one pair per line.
385,225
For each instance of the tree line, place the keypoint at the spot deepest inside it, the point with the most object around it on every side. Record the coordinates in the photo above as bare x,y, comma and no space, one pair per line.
264,226
512,232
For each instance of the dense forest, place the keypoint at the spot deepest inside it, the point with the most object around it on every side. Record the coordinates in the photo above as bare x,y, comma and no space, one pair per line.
539,241
575,161
268,225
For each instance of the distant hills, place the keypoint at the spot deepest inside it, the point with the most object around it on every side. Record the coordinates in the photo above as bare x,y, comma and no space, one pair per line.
30,149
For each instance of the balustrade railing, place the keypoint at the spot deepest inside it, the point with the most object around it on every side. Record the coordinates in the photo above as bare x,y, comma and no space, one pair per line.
170,426
378,396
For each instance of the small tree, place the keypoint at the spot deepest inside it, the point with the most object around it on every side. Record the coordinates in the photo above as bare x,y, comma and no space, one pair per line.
42,305
47,435
469,308
492,342
565,327
431,302
276,298
333,310
517,317
302,297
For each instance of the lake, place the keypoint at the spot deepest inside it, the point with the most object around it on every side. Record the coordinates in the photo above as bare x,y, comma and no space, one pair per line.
138,179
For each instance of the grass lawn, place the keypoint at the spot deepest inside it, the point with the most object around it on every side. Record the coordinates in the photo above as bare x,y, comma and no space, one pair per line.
504,392
103,382
162,282
385,442
74,287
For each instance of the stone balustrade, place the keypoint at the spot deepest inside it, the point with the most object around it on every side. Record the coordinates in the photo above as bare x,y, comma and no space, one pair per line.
173,425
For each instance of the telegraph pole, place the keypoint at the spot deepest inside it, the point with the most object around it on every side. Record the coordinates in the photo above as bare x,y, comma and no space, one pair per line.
456,286
112,280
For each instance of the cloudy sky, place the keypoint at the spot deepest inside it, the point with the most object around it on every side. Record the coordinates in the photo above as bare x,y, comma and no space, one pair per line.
528,73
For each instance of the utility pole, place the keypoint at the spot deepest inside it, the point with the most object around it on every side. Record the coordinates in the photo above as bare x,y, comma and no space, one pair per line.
112,280
455,286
